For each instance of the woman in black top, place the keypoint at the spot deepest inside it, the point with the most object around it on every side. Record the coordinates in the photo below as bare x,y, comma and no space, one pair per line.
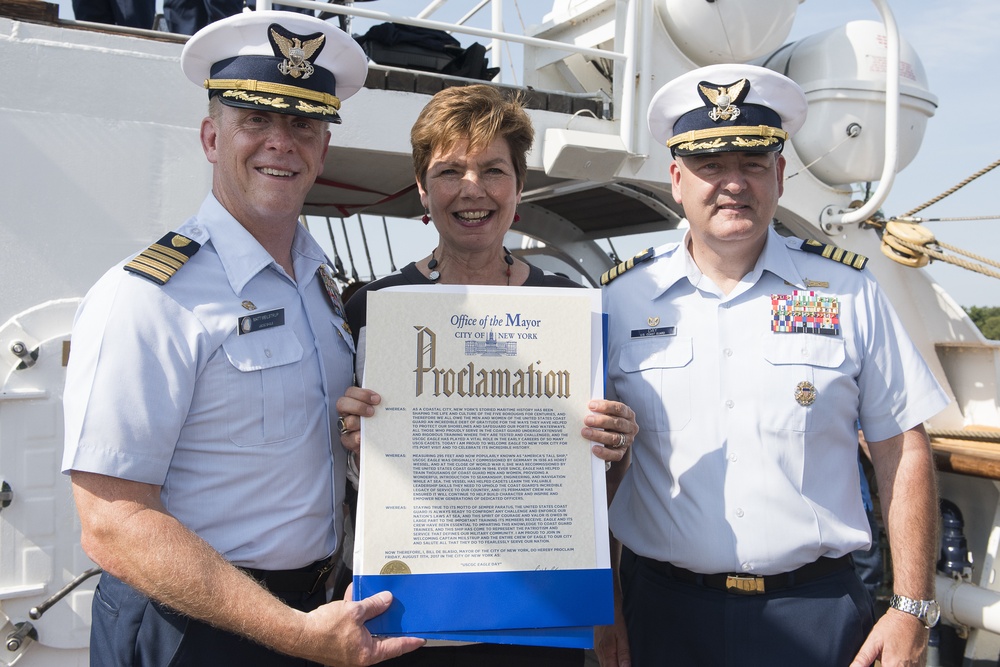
470,149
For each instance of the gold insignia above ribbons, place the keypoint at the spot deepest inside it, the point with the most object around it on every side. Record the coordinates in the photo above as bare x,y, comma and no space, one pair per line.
805,393
621,268
811,283
160,261
851,259
395,567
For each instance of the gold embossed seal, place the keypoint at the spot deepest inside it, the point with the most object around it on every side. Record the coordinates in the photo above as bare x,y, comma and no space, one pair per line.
395,567
805,393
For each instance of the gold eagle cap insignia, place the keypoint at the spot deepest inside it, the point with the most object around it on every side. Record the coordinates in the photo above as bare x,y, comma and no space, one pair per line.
722,97
297,54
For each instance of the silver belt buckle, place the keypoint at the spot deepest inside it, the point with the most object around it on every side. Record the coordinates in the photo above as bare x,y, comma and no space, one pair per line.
748,585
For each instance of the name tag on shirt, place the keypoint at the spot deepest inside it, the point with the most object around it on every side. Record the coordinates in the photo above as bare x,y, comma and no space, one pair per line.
260,321
654,331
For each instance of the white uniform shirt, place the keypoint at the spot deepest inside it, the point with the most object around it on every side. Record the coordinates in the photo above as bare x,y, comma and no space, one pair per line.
730,472
161,389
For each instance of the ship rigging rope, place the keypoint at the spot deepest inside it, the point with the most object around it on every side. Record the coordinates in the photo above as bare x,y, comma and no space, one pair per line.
965,218
907,242
954,189
364,239
983,436
850,135
388,245
350,253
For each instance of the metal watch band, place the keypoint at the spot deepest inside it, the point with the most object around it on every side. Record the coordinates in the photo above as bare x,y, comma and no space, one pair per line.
918,608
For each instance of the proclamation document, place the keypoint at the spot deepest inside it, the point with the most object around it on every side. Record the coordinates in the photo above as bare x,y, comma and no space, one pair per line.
480,505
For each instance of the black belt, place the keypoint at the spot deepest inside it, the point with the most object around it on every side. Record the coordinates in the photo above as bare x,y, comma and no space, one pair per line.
306,579
752,584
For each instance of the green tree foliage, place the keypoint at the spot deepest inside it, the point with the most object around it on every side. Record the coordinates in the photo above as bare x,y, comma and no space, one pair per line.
987,319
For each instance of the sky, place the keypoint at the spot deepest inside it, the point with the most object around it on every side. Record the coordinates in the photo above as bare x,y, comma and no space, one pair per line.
955,41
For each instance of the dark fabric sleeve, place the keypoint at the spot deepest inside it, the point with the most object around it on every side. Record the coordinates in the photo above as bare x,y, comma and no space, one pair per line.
357,306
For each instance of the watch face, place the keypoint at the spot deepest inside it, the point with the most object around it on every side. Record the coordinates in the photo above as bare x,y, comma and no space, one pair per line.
932,613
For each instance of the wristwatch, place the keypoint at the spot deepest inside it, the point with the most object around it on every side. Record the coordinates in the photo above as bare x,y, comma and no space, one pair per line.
928,611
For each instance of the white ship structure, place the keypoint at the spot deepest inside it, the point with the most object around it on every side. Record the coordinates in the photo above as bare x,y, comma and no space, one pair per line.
99,133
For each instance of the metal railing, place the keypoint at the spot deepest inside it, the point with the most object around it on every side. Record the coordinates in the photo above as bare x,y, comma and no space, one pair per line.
494,34
633,98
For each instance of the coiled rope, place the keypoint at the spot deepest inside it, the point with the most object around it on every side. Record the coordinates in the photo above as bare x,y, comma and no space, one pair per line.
901,237
905,241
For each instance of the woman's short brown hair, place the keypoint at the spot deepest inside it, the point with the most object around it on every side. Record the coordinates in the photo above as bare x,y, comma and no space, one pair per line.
477,114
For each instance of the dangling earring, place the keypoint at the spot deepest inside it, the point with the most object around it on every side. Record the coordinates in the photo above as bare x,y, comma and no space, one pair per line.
517,218
426,218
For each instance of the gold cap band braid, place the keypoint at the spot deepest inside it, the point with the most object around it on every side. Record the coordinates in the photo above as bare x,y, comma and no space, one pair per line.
251,85
728,131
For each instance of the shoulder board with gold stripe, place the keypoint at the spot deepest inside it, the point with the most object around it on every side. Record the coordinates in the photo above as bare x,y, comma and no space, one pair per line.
621,268
160,261
851,259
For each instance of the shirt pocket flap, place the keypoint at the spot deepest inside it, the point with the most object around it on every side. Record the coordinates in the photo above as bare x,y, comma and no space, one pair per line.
658,352
260,350
805,349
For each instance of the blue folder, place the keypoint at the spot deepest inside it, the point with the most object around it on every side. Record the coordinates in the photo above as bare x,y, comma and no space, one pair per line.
561,606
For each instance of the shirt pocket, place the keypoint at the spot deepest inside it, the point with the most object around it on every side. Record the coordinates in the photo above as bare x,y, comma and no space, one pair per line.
801,364
657,381
266,389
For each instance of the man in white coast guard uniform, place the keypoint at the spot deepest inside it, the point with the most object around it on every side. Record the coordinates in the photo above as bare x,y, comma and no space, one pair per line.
749,358
198,397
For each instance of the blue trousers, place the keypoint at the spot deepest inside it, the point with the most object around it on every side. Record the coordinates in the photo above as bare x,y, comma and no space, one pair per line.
868,563
821,623
130,630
